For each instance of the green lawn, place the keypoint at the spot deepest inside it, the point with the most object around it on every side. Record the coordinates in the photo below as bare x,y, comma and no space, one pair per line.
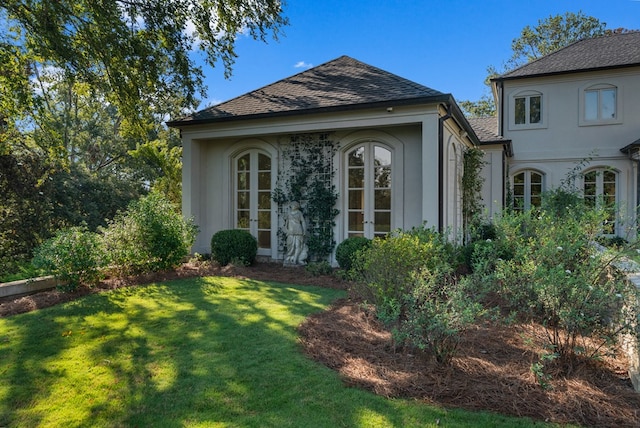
210,352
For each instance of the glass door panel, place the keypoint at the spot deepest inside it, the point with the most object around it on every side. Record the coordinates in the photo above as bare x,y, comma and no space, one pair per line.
253,197
369,191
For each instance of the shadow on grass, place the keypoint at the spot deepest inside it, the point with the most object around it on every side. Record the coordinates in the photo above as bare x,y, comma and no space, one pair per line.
189,352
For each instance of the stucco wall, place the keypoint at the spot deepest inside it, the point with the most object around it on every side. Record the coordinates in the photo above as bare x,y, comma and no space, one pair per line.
411,135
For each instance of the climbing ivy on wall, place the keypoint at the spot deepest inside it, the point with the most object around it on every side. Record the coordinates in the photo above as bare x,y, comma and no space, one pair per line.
305,175
472,181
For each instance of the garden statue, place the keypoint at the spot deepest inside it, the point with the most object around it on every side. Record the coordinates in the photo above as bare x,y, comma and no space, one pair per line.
295,228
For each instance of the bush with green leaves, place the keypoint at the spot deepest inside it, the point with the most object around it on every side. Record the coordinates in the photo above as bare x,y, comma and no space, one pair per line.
347,250
559,278
409,278
233,244
150,236
74,256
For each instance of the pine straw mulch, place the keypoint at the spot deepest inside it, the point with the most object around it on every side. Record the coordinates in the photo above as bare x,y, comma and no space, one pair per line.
491,371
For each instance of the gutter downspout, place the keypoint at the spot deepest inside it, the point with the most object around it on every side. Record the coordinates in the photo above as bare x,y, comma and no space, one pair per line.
441,121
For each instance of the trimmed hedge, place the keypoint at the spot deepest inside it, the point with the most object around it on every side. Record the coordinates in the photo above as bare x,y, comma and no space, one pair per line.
347,250
234,244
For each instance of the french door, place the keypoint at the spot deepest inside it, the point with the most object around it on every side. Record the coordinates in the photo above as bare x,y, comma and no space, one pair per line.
253,197
369,199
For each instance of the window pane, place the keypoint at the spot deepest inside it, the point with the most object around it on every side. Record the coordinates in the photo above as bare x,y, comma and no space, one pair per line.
356,199
264,219
383,177
383,199
243,200
243,180
264,162
382,156
356,221
536,178
608,103
243,220
591,105
356,157
243,163
520,113
356,178
264,180
264,239
535,107
382,222
264,200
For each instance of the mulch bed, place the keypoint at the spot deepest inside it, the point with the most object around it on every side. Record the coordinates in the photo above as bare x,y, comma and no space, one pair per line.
492,370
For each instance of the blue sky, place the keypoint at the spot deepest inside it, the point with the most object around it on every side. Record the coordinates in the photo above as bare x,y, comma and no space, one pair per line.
446,45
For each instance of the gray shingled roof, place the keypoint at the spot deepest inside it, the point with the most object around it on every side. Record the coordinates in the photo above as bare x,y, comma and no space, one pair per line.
343,83
486,128
614,51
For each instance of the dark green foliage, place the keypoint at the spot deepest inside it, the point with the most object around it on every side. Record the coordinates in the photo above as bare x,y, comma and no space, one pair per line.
74,256
150,236
319,268
346,251
233,244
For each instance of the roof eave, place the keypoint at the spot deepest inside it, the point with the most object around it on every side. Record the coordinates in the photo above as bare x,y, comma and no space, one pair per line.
433,99
557,73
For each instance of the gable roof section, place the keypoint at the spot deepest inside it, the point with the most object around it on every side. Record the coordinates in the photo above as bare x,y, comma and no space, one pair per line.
606,52
341,84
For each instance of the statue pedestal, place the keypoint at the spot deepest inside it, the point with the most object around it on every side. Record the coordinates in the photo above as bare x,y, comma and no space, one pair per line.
288,264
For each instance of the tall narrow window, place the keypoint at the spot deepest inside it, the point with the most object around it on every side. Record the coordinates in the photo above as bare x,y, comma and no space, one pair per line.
527,190
253,196
369,207
600,103
600,192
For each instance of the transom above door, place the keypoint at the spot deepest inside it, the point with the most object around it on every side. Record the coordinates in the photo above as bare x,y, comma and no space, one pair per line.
368,190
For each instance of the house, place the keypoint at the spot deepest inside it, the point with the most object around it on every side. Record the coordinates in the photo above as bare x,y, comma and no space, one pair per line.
392,152
571,117
393,149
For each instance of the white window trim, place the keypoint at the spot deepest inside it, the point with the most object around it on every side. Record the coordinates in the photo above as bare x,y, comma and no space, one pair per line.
592,86
544,106
527,185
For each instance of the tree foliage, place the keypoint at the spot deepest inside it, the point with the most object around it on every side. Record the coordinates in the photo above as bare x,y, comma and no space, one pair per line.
551,34
85,87
137,52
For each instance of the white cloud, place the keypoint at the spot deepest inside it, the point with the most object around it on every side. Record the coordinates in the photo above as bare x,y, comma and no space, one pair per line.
302,64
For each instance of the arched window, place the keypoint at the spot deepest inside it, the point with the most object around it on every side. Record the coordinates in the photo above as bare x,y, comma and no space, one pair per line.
527,189
600,192
252,194
368,189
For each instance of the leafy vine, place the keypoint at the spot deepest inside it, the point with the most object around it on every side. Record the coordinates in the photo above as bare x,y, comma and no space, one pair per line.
306,175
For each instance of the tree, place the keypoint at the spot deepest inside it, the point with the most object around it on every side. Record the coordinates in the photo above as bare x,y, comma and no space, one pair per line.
139,53
551,34
484,107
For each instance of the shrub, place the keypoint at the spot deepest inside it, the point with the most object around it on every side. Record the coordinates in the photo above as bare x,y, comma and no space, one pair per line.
558,278
230,244
347,250
74,255
319,268
409,279
150,236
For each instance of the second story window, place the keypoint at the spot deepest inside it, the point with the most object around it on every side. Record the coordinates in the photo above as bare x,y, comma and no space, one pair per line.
528,109
600,103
